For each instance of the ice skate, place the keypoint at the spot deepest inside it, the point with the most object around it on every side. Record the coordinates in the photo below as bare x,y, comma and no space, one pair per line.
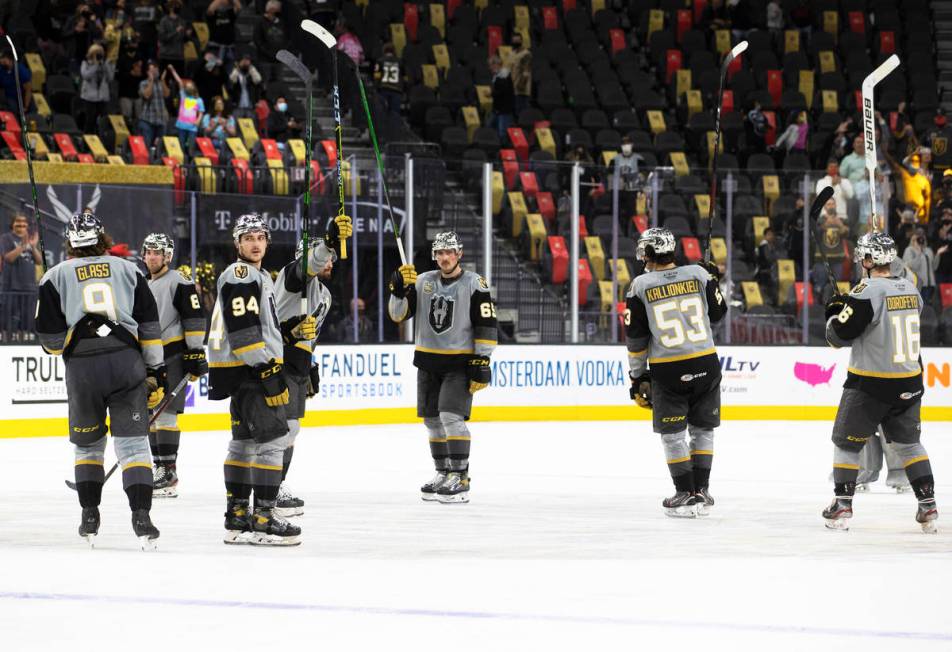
89,525
288,504
901,488
839,512
142,526
237,523
704,501
683,504
165,481
455,489
428,491
926,515
862,487
270,529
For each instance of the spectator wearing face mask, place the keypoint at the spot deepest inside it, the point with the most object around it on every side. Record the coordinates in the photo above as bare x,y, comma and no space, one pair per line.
222,16
628,164
916,186
920,259
218,125
97,75
245,87
173,32
281,124
504,102
521,65
270,34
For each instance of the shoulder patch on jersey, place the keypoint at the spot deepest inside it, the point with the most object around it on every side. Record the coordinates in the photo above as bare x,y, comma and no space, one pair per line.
241,271
428,287
482,282
858,288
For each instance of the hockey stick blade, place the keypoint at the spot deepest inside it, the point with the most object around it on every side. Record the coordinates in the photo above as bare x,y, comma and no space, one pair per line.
12,48
735,52
167,401
296,65
815,209
869,126
819,203
317,30
881,72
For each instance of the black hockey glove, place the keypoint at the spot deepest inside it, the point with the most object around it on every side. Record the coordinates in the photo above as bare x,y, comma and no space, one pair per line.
711,268
271,379
313,381
834,306
402,280
640,390
479,373
194,364
156,383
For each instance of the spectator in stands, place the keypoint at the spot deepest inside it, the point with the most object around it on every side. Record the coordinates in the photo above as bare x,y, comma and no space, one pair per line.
97,74
190,112
20,256
943,198
81,30
905,229
173,32
587,175
365,327
9,83
210,78
903,141
270,34
794,137
349,44
842,188
842,139
221,17
920,258
774,18
218,125
245,86
768,253
153,90
831,233
145,20
521,66
504,101
756,129
943,255
916,186
715,16
389,79
116,32
939,139
861,191
631,180
130,75
281,124
853,165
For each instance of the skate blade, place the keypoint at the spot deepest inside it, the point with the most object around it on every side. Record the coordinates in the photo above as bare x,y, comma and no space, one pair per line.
903,489
929,527
703,511
454,498
259,539
289,512
862,488
237,537
839,524
689,511
168,492
90,540
428,497
147,544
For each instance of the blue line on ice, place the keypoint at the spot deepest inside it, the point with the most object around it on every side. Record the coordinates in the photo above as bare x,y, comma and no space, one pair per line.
481,615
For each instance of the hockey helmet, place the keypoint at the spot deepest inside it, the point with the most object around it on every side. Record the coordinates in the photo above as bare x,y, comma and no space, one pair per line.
83,229
446,240
878,248
250,223
655,242
159,242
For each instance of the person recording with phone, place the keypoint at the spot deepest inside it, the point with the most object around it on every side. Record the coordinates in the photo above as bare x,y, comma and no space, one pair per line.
97,75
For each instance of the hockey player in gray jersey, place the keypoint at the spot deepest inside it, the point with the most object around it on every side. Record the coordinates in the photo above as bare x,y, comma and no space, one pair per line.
245,360
302,375
455,335
674,368
182,321
97,312
879,321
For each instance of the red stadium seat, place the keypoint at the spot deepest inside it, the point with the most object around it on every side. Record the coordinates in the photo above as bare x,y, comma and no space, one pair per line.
560,259
684,23
550,18
318,178
775,85
330,149
857,22
262,111
13,142
617,38
858,96
640,222
546,206
493,38
85,158
411,19
673,60
770,136
582,227
10,122
271,151
584,281
178,178
692,249
518,139
798,290
140,153
567,6
530,185
945,291
699,7
243,175
66,146
451,6
887,42
728,104
207,149
510,173
735,67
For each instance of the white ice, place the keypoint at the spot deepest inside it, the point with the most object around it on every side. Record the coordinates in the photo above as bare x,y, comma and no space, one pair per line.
563,547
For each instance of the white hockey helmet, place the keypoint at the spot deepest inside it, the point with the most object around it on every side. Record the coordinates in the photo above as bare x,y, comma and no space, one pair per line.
159,242
655,242
83,229
250,223
878,248
446,240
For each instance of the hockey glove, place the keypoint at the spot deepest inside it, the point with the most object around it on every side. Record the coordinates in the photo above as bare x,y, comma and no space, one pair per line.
305,328
711,268
313,381
340,229
272,381
402,279
640,390
479,373
834,306
156,383
194,364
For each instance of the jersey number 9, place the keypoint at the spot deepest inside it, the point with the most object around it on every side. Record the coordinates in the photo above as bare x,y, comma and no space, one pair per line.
99,298
239,306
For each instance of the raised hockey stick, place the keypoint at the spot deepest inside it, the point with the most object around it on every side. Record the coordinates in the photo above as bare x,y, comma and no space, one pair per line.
735,52
325,37
815,209
869,128
26,147
299,69
167,401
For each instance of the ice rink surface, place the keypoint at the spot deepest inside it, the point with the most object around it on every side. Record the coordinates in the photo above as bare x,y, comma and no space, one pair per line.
563,547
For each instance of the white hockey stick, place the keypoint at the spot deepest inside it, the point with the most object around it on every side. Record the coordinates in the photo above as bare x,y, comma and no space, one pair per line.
869,128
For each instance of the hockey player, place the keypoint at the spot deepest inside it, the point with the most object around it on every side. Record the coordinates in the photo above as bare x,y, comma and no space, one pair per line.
182,321
455,335
879,320
674,368
303,377
244,347
97,312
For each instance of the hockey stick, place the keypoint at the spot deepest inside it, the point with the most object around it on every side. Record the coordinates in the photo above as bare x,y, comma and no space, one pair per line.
815,209
869,128
735,52
167,401
26,147
299,69
330,43
383,178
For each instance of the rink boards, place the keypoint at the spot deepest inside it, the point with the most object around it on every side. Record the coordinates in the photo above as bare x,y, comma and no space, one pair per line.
371,384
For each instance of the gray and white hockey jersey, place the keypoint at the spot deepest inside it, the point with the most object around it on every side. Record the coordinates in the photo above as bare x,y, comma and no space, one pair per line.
106,286
455,319
244,328
180,312
287,292
668,321
880,322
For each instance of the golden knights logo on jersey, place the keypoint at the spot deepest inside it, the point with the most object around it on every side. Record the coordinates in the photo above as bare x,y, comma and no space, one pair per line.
441,313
